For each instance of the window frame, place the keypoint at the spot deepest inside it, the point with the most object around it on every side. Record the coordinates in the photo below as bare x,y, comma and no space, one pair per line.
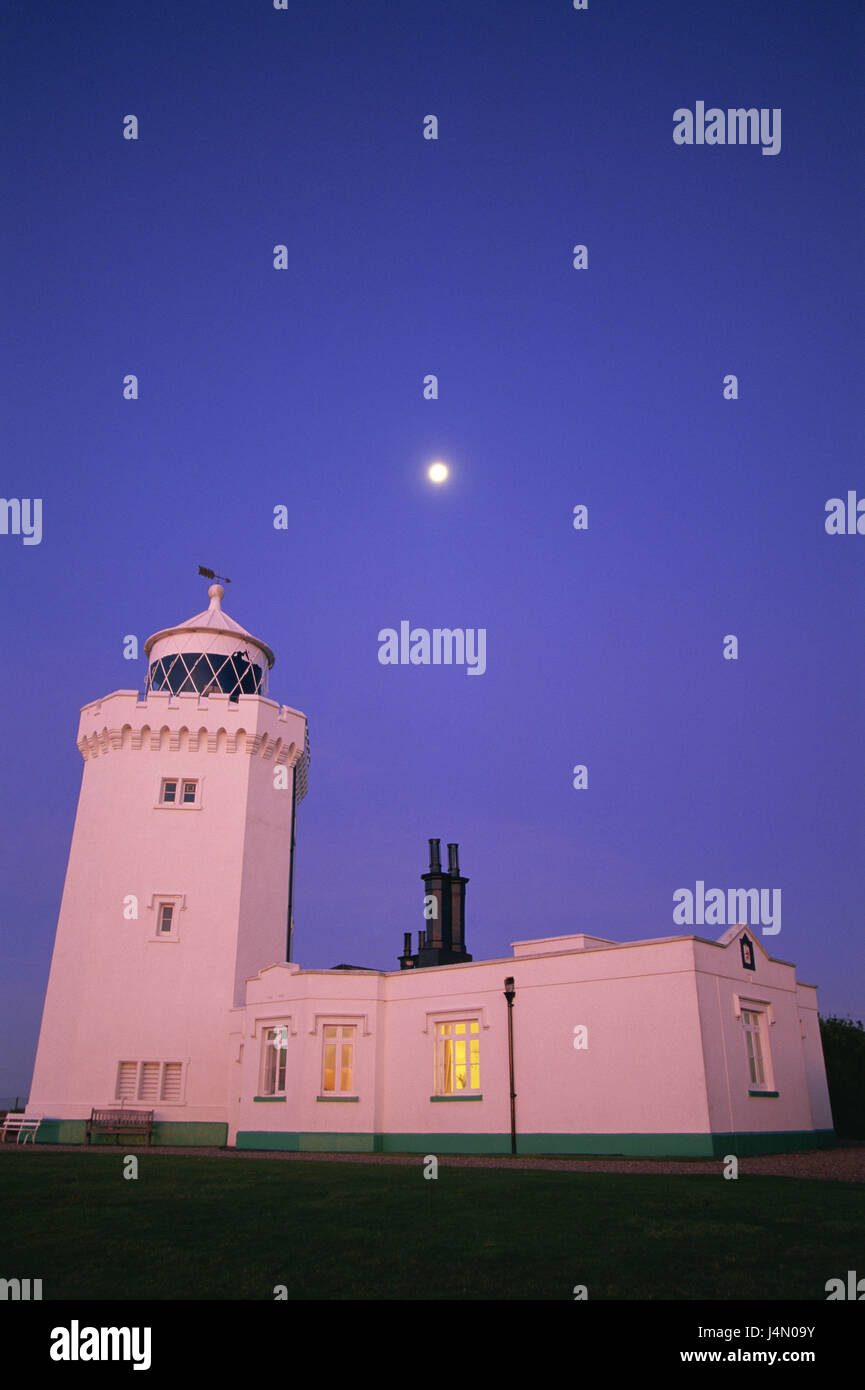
180,782
177,901
281,1064
755,1021
339,1068
472,1026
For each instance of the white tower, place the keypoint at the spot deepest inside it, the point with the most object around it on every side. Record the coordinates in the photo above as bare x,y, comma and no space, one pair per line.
178,885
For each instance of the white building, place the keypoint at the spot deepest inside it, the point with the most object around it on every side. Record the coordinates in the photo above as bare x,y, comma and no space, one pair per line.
170,988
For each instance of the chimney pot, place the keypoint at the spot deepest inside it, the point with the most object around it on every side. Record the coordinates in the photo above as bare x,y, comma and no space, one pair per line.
434,855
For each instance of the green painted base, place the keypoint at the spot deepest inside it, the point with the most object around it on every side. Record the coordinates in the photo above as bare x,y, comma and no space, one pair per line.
307,1143
202,1135
600,1145
781,1141
173,1133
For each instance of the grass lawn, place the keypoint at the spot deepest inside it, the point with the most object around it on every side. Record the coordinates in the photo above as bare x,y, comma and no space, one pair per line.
228,1228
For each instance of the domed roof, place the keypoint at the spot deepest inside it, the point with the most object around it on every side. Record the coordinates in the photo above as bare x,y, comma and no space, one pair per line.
211,620
207,654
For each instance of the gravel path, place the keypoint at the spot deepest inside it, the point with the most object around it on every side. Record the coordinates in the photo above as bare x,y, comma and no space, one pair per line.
844,1164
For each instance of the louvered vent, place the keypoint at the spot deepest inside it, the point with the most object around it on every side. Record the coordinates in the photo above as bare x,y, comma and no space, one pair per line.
126,1080
148,1086
171,1080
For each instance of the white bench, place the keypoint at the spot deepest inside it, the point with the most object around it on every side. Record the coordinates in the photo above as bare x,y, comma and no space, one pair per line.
20,1125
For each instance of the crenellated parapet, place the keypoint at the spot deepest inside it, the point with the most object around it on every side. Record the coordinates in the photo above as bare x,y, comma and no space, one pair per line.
160,722
185,740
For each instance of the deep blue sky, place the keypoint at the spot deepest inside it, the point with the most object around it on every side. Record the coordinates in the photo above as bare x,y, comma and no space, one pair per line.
557,387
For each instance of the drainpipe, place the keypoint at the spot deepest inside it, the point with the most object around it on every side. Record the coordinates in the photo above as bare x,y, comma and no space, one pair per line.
509,995
288,943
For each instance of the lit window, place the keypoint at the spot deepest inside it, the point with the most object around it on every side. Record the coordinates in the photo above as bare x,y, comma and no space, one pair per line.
756,1048
166,917
458,1057
169,793
274,1049
338,1071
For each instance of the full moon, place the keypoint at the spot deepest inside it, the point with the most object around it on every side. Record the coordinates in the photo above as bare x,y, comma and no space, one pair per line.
437,472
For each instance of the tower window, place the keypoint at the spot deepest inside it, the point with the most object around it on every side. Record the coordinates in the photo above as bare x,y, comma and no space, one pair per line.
180,791
190,673
167,908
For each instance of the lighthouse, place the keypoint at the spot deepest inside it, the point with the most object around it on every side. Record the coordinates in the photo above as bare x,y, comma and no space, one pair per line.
178,886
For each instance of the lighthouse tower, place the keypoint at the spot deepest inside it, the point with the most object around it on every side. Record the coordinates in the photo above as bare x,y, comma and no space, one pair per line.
178,886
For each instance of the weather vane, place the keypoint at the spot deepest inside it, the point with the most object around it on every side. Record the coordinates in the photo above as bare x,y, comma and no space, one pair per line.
209,574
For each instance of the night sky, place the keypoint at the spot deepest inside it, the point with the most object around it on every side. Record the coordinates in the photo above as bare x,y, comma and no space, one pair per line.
303,388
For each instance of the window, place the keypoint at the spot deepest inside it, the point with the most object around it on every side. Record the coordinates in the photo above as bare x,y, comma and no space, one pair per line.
150,1082
338,1069
274,1049
757,1049
457,1063
166,909
179,791
185,673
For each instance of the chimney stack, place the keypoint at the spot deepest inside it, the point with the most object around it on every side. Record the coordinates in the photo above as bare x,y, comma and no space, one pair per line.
442,941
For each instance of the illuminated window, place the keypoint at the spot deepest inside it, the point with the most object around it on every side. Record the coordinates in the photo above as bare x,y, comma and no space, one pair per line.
757,1049
338,1069
273,1053
457,1057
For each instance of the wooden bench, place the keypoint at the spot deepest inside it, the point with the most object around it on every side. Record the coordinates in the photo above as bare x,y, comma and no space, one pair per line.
21,1126
119,1122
